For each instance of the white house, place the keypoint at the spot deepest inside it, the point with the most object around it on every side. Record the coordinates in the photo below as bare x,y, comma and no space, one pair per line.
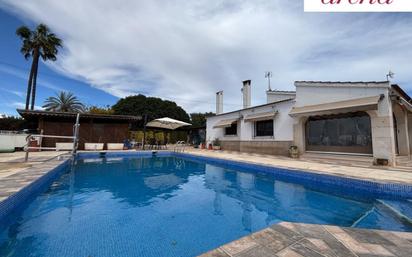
357,118
265,128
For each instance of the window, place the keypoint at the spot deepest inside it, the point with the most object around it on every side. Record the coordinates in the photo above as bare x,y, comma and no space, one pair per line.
349,132
264,128
232,130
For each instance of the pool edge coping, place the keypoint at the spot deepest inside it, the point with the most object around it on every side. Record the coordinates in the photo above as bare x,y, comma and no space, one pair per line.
46,176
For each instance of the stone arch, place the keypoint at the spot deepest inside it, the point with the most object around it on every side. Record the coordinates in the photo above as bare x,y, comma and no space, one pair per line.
400,129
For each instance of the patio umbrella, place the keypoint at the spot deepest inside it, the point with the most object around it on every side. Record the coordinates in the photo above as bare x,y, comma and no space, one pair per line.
167,123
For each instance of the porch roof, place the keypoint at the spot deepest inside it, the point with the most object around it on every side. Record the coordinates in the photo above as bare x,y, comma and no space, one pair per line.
261,116
225,123
359,104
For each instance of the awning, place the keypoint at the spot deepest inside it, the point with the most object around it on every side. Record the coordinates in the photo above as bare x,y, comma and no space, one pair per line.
261,116
167,123
359,104
225,123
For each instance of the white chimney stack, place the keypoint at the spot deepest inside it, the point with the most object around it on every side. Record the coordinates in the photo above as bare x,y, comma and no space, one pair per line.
219,102
246,94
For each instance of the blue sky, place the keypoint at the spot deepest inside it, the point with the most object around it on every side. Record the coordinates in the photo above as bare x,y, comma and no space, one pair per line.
14,72
186,51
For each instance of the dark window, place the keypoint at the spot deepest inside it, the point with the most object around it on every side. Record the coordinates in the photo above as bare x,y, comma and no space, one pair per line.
232,130
264,128
349,132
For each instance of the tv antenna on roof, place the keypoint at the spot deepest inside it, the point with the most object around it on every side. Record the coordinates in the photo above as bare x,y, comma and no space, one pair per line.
268,75
390,75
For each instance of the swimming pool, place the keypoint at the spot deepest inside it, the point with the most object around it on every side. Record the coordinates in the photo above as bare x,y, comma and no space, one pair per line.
180,205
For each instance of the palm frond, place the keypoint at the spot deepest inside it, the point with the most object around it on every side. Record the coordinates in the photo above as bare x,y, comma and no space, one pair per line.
63,102
24,32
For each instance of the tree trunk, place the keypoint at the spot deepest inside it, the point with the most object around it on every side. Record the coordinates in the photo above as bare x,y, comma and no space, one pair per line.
29,85
36,67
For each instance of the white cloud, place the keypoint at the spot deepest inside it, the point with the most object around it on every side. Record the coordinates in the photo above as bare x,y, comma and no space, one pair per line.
187,50
14,92
18,73
20,105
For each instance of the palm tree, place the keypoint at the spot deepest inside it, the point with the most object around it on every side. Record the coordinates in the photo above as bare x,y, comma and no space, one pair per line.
63,102
38,43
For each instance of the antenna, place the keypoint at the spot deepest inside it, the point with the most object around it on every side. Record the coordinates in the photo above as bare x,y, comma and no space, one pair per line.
268,75
390,75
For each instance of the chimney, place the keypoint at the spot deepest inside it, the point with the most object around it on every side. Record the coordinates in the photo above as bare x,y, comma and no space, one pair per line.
246,94
219,102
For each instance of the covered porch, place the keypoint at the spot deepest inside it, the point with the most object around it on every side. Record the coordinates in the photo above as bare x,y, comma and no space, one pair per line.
378,127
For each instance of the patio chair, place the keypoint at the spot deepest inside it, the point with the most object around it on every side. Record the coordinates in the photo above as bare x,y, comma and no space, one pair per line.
115,146
93,146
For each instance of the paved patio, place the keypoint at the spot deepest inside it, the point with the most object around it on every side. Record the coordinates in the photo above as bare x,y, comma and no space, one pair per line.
304,240
378,174
16,174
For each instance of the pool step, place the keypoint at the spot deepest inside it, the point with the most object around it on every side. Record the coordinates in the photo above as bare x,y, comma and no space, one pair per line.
401,208
363,217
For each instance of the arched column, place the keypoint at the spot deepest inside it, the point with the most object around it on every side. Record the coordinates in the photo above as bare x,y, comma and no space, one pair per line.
409,117
402,130
383,138
299,136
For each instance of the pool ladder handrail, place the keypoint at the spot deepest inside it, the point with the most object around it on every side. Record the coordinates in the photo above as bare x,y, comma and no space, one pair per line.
181,145
31,138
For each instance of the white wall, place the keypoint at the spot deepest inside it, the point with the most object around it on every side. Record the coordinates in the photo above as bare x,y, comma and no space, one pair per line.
10,141
312,93
283,124
213,133
275,96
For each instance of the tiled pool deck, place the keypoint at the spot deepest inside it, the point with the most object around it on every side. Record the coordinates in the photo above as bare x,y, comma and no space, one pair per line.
284,239
16,174
304,240
386,174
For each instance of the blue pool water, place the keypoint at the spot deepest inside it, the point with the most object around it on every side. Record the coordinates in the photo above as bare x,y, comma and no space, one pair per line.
171,206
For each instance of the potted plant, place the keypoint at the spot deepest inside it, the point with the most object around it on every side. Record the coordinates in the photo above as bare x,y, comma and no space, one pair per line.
216,144
294,151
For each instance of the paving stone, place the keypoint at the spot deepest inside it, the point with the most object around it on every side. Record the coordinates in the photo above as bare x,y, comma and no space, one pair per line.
322,247
400,251
312,231
291,234
215,253
339,249
267,236
398,241
259,251
407,236
288,253
296,240
376,249
23,177
239,246
367,236
276,239
305,251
